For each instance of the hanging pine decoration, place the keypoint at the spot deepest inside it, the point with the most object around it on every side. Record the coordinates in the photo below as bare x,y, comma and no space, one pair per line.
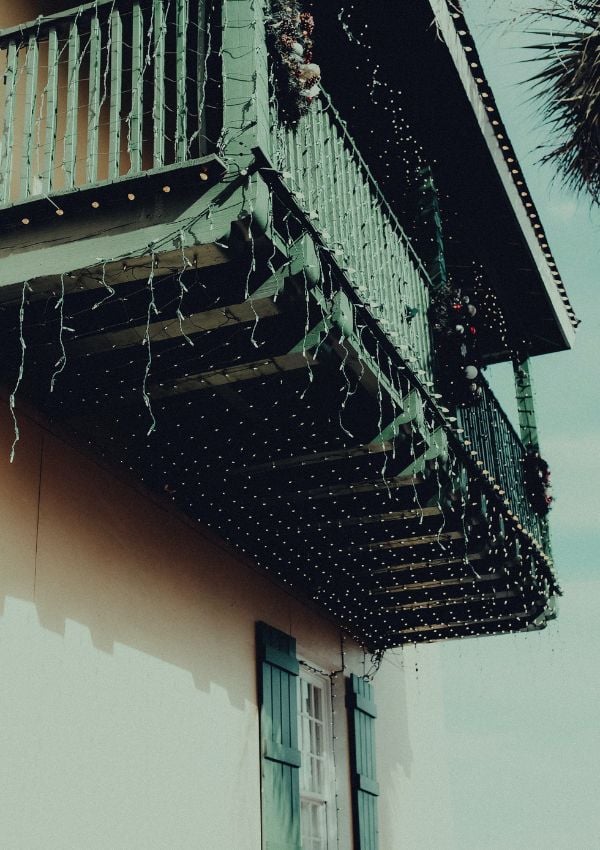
537,482
459,361
289,31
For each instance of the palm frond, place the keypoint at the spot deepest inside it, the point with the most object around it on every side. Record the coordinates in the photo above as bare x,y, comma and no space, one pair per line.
569,83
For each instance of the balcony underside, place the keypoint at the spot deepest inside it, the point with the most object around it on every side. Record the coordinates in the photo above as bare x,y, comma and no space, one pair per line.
264,404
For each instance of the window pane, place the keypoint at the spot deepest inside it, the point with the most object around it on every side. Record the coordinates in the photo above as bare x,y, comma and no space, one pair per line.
316,795
314,826
318,739
318,704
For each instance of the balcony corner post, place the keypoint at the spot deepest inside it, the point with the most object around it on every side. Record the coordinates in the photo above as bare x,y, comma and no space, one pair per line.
525,406
246,98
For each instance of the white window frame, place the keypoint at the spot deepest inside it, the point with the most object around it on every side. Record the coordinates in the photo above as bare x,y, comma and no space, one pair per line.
321,681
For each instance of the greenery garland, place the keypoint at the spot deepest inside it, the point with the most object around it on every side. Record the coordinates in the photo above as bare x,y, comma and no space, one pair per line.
289,34
459,361
538,483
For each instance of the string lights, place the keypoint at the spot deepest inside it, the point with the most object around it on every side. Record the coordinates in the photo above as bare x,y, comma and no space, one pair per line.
309,434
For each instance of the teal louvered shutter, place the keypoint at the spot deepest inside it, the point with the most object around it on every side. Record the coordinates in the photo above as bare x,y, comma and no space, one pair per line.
280,757
365,789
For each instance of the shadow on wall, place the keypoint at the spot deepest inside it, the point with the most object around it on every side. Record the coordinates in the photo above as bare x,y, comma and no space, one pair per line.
83,545
92,570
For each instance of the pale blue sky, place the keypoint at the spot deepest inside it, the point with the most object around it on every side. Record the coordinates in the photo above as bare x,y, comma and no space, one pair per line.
523,711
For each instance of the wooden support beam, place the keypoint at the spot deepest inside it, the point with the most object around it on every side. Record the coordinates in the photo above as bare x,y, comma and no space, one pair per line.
317,457
233,374
406,542
452,600
441,627
435,584
436,446
372,486
382,442
234,314
369,373
390,516
426,565
131,269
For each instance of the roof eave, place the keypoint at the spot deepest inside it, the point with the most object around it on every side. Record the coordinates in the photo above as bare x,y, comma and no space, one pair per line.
558,302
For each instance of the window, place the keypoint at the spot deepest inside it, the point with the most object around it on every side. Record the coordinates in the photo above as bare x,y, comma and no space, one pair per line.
315,740
297,768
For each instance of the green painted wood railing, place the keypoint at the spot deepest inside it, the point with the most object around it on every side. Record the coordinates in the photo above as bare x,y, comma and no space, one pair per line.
109,89
502,453
335,186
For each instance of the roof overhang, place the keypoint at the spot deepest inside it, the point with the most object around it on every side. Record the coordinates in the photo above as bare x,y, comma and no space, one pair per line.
490,125
418,51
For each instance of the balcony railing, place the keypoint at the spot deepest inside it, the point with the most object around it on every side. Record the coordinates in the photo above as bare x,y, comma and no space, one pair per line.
335,186
498,446
110,89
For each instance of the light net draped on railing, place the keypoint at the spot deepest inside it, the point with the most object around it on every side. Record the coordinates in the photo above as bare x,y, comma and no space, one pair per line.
498,446
108,89
336,186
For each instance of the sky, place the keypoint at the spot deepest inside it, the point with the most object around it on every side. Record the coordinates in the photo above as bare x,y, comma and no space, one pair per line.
522,712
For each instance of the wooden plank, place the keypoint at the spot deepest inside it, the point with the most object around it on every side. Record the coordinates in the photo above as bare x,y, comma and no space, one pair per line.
31,72
434,584
203,49
70,146
134,268
158,106
426,565
390,516
8,130
406,542
452,600
439,584
234,314
317,458
181,24
234,374
51,111
134,140
360,487
505,625
93,119
116,93
443,627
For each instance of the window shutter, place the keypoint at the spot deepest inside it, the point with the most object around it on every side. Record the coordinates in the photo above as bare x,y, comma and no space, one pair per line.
365,789
280,757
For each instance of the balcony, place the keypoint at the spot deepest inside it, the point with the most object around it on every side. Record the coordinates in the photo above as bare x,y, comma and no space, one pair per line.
104,93
248,334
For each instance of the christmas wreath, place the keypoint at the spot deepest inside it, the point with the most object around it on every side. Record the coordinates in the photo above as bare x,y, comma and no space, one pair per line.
289,31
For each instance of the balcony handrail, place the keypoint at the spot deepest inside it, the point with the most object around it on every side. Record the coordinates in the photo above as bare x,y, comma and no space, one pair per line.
39,25
493,437
506,421
100,92
343,126
332,176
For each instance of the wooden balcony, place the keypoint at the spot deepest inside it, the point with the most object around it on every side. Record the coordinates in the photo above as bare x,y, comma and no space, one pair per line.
107,91
253,345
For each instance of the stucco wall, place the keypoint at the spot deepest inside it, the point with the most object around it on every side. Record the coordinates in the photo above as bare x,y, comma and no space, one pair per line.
127,655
